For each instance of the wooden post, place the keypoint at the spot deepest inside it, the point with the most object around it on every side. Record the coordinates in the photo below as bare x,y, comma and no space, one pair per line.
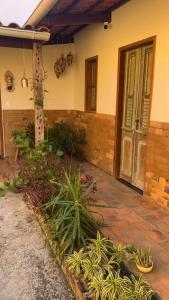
38,93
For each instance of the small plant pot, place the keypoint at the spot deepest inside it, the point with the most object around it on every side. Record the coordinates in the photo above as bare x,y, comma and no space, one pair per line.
143,269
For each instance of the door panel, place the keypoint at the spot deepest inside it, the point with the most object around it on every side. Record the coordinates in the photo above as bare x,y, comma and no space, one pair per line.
128,111
136,110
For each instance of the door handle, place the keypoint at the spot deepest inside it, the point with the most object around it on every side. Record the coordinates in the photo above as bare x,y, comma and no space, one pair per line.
137,121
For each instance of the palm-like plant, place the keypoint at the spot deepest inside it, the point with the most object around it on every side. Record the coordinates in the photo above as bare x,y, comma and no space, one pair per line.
113,287
73,225
100,248
95,286
138,289
90,268
119,252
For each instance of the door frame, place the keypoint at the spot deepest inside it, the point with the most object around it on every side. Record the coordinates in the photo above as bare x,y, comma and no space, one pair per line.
1,129
120,94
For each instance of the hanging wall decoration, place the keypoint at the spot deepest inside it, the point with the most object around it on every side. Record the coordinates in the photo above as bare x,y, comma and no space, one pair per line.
69,58
9,78
60,64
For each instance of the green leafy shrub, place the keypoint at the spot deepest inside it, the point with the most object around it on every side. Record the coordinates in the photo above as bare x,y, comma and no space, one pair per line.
64,137
2,192
20,138
72,222
30,133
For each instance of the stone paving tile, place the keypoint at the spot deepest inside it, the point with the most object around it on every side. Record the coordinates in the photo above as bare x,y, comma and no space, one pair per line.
27,268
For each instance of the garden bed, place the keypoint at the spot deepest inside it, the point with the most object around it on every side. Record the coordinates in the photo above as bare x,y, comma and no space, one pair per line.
61,197
78,286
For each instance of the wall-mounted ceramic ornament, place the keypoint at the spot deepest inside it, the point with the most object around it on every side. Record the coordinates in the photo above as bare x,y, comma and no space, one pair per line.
9,79
60,65
69,58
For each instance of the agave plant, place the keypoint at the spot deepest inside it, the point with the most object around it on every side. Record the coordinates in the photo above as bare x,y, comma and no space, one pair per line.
72,223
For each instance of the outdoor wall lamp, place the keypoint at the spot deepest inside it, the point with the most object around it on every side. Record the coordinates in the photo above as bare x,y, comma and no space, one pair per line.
24,82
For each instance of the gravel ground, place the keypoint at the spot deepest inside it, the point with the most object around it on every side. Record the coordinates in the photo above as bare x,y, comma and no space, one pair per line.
27,269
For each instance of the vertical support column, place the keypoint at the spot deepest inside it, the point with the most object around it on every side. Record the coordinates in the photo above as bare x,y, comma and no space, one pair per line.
38,93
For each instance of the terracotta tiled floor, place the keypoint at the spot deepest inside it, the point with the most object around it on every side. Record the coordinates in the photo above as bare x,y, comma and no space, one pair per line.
132,219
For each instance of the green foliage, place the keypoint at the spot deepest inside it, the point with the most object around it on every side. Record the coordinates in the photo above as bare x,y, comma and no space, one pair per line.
143,257
39,102
30,133
75,260
20,137
115,287
98,257
25,136
60,138
14,185
41,151
100,264
119,253
72,223
100,249
64,137
2,192
139,289
131,249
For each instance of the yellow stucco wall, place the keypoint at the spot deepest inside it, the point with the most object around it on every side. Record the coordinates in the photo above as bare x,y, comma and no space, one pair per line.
60,91
136,20
12,59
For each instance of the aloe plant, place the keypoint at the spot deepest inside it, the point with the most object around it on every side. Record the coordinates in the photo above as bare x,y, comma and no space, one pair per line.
143,258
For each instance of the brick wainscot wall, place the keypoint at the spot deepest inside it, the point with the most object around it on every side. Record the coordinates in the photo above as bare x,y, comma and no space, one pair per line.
157,166
99,147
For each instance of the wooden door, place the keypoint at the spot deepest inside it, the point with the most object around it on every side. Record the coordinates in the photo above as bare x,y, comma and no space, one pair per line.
136,109
1,132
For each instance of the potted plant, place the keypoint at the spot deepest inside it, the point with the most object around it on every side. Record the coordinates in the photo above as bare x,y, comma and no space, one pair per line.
143,260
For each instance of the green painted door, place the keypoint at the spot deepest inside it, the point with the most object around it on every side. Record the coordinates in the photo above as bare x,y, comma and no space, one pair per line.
136,110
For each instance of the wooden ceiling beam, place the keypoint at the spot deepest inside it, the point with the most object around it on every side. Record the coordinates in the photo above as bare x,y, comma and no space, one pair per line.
69,7
92,7
78,19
